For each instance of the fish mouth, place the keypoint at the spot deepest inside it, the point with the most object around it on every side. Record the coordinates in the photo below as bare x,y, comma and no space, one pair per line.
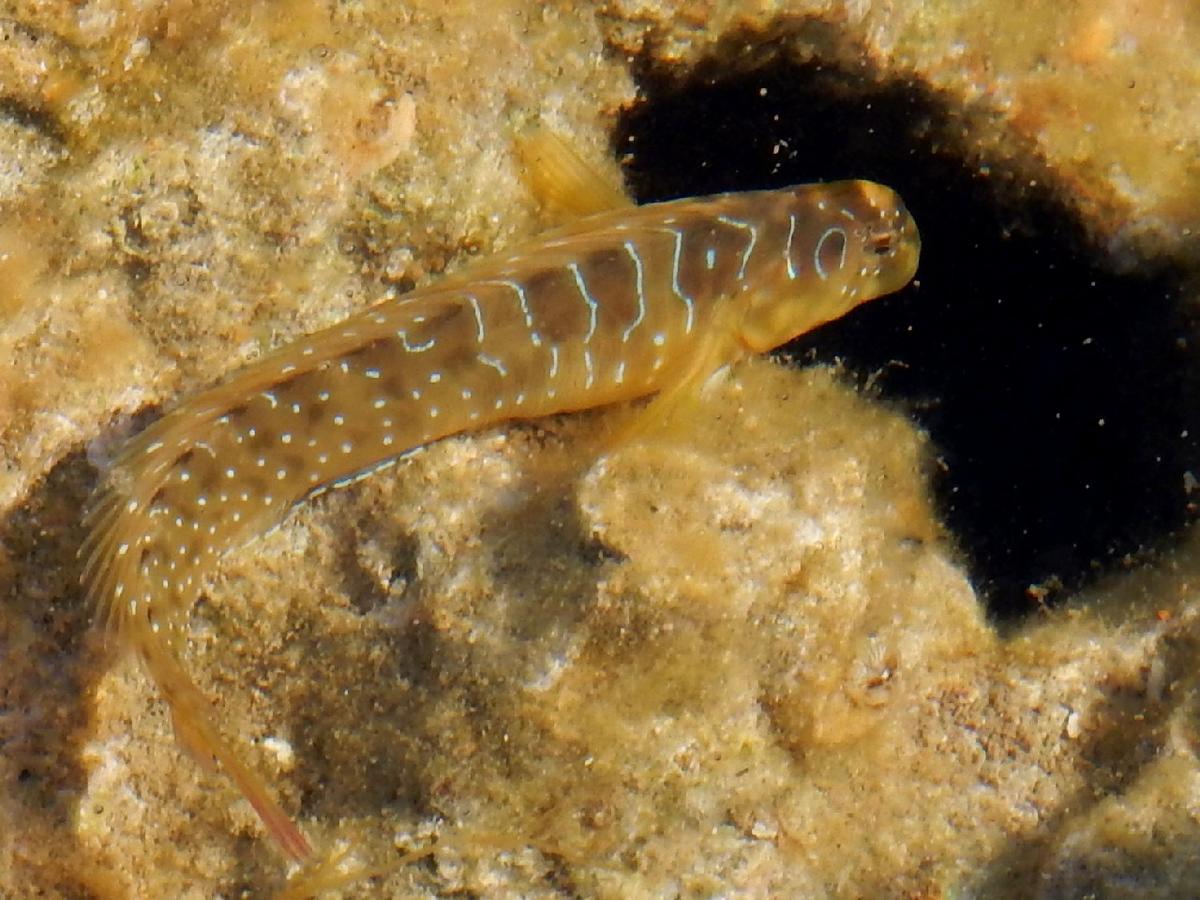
910,245
896,247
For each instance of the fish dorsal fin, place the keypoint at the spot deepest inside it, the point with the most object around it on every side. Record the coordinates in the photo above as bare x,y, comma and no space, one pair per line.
562,182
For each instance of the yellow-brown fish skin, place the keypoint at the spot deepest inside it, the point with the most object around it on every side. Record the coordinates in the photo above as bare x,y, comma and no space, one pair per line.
615,306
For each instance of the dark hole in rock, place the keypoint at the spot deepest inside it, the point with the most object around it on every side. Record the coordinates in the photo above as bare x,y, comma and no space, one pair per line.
1059,388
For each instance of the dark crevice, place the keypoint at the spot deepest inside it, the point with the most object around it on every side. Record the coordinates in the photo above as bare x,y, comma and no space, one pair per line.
50,663
1059,392
33,118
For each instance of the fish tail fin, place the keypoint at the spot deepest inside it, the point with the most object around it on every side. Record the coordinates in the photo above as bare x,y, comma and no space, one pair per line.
194,729
117,575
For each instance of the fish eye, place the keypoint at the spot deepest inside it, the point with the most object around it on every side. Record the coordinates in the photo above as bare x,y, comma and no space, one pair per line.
881,243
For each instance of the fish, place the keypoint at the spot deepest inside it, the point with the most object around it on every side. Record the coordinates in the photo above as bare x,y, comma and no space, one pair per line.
621,303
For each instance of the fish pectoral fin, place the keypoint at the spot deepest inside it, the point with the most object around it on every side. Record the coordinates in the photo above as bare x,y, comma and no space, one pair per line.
560,179
681,397
665,414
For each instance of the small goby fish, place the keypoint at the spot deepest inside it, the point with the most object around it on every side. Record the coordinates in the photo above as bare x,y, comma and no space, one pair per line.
622,303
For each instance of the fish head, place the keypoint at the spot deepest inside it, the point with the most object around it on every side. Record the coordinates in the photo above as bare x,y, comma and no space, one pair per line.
844,243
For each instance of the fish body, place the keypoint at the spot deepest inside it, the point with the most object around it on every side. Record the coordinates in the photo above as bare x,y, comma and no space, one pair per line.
617,305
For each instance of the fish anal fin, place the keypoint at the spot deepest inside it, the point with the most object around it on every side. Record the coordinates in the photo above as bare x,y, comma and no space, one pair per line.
558,177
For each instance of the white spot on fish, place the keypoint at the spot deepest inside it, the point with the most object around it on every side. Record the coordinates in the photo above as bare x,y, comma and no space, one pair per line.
479,329
833,232
415,348
592,305
788,255
493,363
